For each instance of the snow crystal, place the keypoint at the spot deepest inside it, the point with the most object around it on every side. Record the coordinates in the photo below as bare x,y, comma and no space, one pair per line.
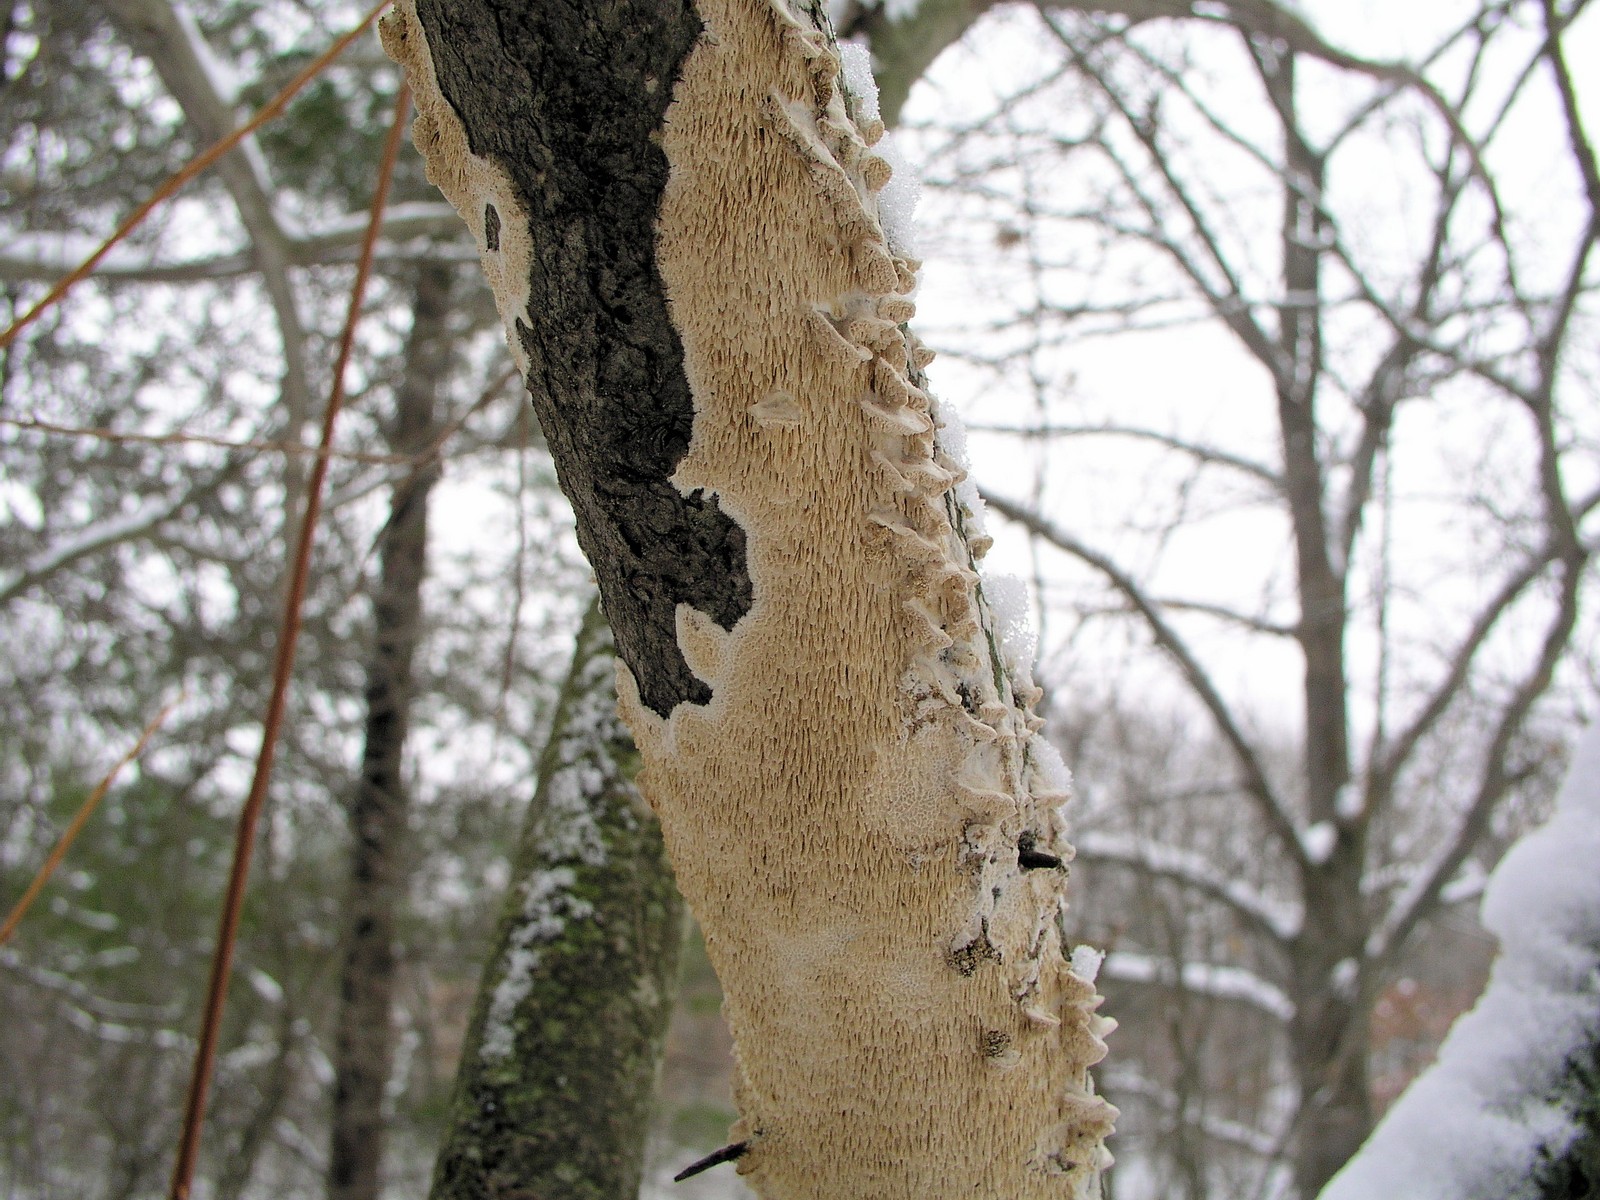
1053,778
1086,962
1013,624
951,435
1319,841
855,62
1473,1125
897,202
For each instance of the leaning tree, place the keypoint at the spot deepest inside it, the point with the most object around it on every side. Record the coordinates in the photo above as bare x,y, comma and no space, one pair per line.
677,211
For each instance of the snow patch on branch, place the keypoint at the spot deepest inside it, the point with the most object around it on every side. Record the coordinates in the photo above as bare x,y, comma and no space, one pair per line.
547,906
1319,840
1206,979
583,769
1197,870
1476,1125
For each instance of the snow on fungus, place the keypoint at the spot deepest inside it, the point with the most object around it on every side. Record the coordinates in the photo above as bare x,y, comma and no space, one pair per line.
886,732
855,62
1086,962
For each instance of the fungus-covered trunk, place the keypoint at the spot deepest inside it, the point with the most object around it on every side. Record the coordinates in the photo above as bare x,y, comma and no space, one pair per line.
677,211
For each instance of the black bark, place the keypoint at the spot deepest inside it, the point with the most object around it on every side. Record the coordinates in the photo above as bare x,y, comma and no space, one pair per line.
568,98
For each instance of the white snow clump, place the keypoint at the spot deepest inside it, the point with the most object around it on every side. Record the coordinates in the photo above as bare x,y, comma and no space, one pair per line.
1475,1125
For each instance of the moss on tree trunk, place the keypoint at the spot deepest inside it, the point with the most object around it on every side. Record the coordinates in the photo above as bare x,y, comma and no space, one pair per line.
553,1093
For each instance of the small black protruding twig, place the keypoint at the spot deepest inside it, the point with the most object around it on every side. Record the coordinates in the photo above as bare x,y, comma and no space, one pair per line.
714,1159
1030,859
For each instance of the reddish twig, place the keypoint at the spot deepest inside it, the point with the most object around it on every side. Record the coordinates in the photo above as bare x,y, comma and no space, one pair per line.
222,957
176,182
79,820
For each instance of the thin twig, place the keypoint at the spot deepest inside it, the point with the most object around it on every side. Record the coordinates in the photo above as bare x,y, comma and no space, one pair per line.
79,820
181,438
233,903
176,182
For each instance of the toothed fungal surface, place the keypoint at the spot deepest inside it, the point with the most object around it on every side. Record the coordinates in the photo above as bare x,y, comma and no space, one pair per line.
846,789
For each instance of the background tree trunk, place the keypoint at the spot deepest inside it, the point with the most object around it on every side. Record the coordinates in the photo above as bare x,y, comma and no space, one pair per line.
364,1040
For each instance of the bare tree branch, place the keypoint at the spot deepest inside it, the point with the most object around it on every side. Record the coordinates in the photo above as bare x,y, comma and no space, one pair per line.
1256,784
1210,455
1278,923
167,38
338,243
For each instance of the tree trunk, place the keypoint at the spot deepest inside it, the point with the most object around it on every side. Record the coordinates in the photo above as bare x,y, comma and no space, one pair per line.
553,1093
836,735
364,1040
1328,1031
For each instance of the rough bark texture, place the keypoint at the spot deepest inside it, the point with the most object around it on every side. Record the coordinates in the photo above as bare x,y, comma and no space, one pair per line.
855,779
557,1071
567,98
364,1039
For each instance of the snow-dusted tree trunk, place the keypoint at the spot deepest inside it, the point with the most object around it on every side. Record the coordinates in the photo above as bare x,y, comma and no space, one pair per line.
553,1093
839,746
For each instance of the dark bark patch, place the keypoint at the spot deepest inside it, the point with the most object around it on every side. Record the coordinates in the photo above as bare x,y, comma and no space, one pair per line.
491,227
965,960
565,96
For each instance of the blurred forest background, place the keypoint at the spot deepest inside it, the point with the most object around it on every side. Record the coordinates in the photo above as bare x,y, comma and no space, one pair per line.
1274,326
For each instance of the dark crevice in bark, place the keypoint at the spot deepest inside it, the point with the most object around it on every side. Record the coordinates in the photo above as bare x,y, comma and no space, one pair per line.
568,98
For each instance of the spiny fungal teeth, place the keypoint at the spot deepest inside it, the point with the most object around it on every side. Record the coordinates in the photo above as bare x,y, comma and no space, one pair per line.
894,388
879,272
1040,1018
897,477
839,347
871,331
875,172
894,418
897,310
